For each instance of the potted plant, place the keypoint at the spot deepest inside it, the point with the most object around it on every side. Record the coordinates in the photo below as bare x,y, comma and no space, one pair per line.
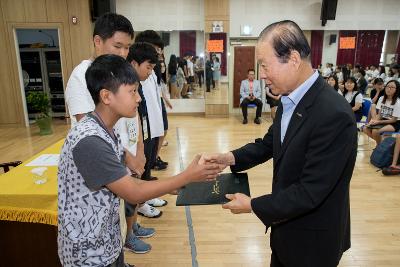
41,104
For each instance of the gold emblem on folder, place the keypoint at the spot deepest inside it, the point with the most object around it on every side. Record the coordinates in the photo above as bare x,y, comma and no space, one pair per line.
216,189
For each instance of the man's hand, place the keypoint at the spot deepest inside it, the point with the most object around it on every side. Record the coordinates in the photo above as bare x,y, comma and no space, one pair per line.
197,172
222,159
239,203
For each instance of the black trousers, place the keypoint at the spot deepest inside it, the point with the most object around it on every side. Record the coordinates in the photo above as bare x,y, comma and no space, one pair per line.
210,81
150,152
247,101
200,77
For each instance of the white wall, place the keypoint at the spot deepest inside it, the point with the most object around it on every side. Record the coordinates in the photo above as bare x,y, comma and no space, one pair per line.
329,52
173,47
163,15
350,14
199,42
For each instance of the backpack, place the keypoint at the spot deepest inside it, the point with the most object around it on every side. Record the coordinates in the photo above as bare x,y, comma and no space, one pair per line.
383,154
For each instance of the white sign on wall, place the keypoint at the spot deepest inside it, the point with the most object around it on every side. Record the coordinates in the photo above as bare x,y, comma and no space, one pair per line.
217,26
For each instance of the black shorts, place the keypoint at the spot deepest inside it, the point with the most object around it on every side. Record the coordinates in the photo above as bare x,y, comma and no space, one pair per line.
164,115
396,126
190,79
129,209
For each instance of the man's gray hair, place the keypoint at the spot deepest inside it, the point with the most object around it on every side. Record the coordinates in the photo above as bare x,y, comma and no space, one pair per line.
286,36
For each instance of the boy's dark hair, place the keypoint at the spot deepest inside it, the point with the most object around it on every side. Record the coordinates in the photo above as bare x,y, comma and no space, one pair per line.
141,52
109,72
378,80
109,23
150,37
362,72
251,70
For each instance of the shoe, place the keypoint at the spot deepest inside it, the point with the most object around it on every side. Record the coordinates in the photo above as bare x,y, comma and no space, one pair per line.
157,202
161,161
391,171
136,245
148,211
158,166
142,232
151,178
257,121
244,121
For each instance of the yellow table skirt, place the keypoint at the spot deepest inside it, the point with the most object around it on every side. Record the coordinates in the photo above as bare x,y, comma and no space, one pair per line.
24,201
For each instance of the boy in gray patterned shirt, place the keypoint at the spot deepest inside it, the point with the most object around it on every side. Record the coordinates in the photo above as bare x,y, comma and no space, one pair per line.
92,174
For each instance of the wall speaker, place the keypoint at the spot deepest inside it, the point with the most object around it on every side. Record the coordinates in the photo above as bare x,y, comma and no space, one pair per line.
332,39
328,10
99,7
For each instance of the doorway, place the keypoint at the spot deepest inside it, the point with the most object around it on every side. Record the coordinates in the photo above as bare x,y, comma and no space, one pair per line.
244,60
40,66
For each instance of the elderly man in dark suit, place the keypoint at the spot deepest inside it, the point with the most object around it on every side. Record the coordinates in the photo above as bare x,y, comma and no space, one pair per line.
313,143
250,93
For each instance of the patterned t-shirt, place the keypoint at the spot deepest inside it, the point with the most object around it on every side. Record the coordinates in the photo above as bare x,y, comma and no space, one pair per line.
88,212
387,110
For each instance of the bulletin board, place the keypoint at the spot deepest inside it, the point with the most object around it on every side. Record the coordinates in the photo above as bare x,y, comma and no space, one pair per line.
347,43
215,46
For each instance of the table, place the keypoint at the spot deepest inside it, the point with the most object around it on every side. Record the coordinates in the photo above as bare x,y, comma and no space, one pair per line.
28,215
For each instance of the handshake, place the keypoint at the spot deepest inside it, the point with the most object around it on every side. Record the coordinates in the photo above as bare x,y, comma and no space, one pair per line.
206,167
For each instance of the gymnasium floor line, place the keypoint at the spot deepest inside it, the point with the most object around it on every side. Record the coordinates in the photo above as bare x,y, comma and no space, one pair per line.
192,239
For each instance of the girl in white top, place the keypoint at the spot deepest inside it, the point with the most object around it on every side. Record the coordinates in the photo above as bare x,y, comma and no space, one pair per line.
353,96
387,118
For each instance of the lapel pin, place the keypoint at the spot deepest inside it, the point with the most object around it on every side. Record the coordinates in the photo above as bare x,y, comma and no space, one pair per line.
298,114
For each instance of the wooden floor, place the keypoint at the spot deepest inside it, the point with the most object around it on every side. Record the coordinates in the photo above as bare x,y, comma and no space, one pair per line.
223,239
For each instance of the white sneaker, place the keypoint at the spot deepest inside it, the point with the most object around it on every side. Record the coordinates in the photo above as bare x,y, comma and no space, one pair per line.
148,211
157,202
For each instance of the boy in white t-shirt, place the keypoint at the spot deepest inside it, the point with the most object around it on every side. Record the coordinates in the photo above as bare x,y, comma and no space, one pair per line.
112,34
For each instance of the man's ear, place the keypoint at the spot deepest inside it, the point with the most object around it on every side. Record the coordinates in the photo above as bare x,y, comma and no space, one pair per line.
295,59
105,96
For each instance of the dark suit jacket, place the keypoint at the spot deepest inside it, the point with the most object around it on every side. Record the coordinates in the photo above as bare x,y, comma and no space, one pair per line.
308,209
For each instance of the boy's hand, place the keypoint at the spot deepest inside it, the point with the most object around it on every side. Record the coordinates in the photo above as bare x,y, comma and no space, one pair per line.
196,172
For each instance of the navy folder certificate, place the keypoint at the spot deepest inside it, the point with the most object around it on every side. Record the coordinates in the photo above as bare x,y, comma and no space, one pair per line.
213,192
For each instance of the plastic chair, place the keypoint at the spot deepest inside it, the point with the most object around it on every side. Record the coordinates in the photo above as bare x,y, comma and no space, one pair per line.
366,106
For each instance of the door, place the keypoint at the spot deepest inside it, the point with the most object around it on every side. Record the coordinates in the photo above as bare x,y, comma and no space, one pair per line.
244,60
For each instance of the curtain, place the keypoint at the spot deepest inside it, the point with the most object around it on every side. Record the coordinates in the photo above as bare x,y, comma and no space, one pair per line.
187,43
398,51
317,40
369,47
345,56
221,36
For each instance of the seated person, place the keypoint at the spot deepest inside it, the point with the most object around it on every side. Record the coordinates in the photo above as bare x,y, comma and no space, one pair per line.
250,93
353,96
376,92
394,168
387,118
92,176
333,81
361,81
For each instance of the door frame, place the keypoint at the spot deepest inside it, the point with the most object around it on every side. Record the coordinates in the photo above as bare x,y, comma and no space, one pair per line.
17,80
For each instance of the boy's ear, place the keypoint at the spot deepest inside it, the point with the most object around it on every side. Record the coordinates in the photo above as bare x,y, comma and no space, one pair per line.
105,96
97,40
134,63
